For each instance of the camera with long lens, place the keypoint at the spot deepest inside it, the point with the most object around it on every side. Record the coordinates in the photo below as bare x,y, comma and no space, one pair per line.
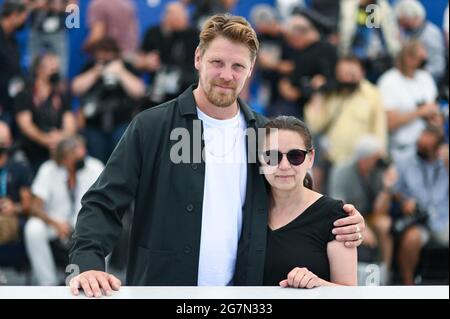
109,80
418,217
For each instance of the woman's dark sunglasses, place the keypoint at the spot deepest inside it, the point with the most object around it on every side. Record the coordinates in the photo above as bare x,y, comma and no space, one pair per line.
274,157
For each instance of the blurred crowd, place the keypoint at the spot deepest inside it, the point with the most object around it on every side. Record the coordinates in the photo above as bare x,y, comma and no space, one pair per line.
369,77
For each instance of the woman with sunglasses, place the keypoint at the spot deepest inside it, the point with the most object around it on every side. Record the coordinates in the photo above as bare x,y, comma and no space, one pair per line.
301,249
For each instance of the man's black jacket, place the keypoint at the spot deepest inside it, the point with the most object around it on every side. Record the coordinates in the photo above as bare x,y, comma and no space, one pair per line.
166,228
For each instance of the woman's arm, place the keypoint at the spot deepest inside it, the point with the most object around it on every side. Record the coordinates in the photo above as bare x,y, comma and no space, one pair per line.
343,270
343,265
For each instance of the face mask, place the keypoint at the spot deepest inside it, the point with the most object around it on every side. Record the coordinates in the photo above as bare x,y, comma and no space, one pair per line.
423,64
382,163
54,78
408,29
422,154
347,86
80,164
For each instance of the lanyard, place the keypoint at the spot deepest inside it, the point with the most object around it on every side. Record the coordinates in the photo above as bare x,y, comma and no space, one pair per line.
4,183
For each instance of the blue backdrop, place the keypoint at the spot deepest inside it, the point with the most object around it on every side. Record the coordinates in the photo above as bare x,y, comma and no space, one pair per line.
149,13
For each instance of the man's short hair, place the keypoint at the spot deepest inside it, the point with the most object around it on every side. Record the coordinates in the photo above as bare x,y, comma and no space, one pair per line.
437,131
107,44
366,146
12,6
234,28
263,13
66,146
410,48
351,59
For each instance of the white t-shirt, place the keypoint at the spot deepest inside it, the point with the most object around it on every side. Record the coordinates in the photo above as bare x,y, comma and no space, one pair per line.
50,185
403,94
223,198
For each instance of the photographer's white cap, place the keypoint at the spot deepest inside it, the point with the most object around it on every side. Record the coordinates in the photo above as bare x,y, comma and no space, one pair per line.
367,146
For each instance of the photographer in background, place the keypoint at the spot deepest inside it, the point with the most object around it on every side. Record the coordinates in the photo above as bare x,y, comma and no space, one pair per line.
13,16
43,112
15,200
375,46
409,94
109,89
412,19
268,64
341,113
57,190
312,63
424,188
167,53
363,181
48,31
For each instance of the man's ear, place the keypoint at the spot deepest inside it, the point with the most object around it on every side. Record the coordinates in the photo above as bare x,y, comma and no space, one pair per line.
197,59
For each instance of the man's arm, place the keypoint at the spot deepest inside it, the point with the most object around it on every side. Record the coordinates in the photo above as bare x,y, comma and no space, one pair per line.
99,221
350,230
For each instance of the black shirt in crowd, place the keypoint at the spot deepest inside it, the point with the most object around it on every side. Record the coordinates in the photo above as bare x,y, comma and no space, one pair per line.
302,242
330,10
106,104
47,21
274,46
319,58
177,53
9,69
18,176
47,116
